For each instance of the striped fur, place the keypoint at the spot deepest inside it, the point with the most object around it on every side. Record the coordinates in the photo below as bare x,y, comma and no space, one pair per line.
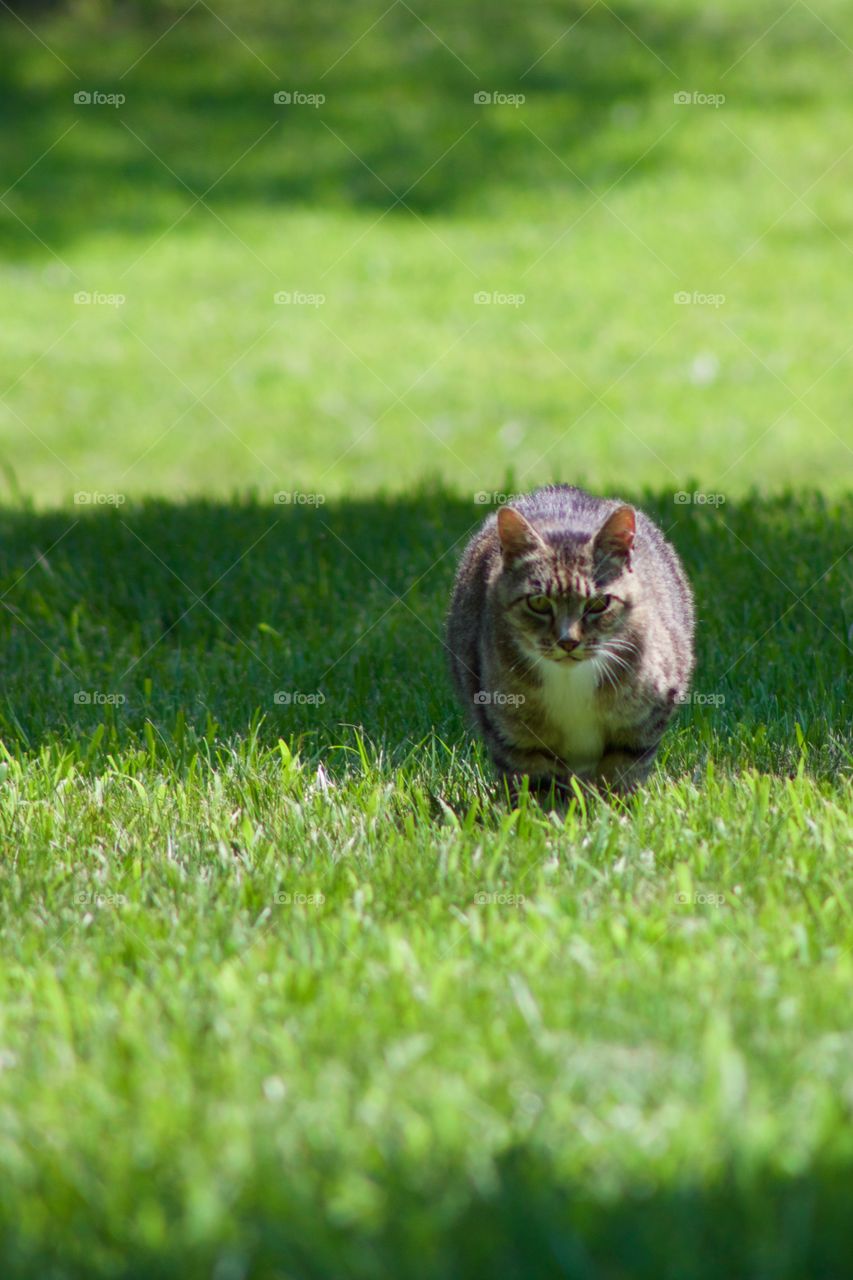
555,687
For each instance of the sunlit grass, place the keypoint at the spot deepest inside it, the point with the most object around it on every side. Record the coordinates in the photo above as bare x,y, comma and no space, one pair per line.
286,989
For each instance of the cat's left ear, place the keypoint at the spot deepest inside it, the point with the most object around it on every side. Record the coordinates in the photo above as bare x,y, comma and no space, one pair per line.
613,544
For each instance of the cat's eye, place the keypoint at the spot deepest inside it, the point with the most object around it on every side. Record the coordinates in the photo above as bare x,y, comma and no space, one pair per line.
598,604
539,604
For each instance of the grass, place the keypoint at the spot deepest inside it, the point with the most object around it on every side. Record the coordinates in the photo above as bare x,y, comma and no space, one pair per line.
287,991
597,201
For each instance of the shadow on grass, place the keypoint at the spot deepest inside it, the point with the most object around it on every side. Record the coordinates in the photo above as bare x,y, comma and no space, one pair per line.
319,617
533,1225
529,1225
399,114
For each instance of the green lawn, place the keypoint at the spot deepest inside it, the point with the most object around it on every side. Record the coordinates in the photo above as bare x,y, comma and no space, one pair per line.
286,991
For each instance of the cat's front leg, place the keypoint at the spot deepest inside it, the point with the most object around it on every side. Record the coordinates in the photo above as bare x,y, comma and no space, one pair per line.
543,788
622,771
540,769
544,781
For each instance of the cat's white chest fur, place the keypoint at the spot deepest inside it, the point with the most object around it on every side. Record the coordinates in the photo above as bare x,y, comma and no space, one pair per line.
568,697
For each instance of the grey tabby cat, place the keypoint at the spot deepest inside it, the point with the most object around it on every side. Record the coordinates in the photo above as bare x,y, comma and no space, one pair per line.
571,638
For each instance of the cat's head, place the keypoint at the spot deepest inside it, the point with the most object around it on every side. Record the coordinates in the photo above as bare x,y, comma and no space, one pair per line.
566,596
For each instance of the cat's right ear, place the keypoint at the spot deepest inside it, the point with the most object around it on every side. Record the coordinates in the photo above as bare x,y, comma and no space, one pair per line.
517,535
614,543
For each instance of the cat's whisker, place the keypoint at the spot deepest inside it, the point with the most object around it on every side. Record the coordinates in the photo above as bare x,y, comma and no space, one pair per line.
523,665
619,642
614,647
616,658
602,669
619,664
623,653
600,662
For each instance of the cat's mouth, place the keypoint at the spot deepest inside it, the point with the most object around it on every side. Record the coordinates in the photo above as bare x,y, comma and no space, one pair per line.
560,655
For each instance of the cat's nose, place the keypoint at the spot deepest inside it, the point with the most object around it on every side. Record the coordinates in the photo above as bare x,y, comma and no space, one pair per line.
567,643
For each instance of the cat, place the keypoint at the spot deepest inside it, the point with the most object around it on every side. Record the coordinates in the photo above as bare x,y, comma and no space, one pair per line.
570,635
